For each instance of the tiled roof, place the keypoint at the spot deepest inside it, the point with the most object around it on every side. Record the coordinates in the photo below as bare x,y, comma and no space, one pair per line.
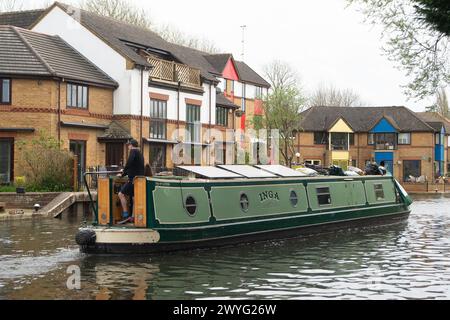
115,132
218,61
117,34
363,119
21,19
247,74
221,100
435,120
23,52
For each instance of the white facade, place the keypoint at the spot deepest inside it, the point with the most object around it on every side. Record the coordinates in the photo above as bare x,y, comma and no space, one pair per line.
127,99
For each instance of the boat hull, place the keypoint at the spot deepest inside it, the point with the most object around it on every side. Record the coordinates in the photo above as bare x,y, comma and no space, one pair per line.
176,239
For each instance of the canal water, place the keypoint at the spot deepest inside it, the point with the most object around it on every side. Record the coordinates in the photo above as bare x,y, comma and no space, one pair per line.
404,261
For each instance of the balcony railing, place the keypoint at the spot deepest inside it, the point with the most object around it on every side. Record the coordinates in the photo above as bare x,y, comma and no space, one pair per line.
174,72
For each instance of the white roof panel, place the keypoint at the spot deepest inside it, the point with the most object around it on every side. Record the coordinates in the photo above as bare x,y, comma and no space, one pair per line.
248,171
210,172
281,171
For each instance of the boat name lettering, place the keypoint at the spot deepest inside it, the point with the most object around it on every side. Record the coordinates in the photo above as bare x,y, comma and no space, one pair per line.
268,195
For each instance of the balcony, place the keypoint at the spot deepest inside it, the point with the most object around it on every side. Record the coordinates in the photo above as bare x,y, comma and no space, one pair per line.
170,71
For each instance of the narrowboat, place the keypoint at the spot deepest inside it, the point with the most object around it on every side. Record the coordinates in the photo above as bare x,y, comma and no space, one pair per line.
223,205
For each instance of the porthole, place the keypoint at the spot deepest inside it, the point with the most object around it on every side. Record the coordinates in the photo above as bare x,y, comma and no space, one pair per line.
293,198
191,205
245,203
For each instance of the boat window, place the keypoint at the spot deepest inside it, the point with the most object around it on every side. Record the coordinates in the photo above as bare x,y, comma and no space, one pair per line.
244,202
379,192
323,196
293,198
191,205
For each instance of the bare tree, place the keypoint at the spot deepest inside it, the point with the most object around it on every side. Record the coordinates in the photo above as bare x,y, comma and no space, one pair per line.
174,35
281,75
121,10
330,96
10,5
441,104
282,107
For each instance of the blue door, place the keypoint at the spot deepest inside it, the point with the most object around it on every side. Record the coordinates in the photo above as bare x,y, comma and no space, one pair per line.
388,158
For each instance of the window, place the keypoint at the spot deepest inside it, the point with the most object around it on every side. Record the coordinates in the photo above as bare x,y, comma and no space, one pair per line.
6,160
190,205
5,91
193,124
158,119
439,138
293,198
158,157
411,168
229,86
77,96
339,141
353,163
320,137
258,92
313,162
352,139
385,141
379,192
245,203
404,138
370,139
222,116
323,196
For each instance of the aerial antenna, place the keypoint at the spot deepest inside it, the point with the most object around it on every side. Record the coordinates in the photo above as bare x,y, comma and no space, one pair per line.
243,27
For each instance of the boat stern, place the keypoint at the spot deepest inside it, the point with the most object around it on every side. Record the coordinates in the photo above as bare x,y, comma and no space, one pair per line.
116,240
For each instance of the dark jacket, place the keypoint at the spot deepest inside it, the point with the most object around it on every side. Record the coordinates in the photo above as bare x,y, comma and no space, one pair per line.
135,164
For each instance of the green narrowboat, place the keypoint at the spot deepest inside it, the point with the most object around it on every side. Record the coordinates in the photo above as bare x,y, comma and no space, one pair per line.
209,208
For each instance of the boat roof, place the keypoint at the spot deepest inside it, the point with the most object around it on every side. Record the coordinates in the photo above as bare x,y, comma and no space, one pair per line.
241,171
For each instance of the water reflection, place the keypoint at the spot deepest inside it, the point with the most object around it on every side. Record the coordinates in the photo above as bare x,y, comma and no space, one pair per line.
402,261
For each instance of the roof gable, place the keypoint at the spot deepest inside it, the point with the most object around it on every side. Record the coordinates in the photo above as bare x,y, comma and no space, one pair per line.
230,72
384,126
341,126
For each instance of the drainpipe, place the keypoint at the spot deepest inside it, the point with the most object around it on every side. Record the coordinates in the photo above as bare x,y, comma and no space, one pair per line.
59,113
178,106
142,110
210,122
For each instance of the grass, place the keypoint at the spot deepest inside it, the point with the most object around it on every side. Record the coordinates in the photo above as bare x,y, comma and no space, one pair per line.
7,189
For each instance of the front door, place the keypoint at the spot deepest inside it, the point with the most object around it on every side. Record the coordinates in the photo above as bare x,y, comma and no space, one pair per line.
78,148
157,157
388,158
6,160
114,154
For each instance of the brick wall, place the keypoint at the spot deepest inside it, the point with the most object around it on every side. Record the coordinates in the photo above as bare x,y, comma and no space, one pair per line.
26,201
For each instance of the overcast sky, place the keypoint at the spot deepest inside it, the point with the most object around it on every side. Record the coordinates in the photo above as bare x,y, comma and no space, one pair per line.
324,40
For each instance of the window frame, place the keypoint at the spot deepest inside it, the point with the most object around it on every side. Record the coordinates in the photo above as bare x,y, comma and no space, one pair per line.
321,194
222,114
410,161
377,190
6,103
196,124
77,86
158,118
371,139
325,138
403,133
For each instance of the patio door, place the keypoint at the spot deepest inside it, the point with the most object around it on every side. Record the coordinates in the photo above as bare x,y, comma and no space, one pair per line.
6,160
78,148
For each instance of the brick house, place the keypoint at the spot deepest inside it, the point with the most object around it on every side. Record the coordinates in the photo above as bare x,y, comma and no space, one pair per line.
167,95
45,85
408,144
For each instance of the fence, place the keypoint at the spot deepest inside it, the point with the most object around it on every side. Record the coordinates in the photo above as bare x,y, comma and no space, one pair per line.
426,186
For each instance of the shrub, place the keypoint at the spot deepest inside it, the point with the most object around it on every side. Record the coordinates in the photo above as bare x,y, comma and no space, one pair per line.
48,167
